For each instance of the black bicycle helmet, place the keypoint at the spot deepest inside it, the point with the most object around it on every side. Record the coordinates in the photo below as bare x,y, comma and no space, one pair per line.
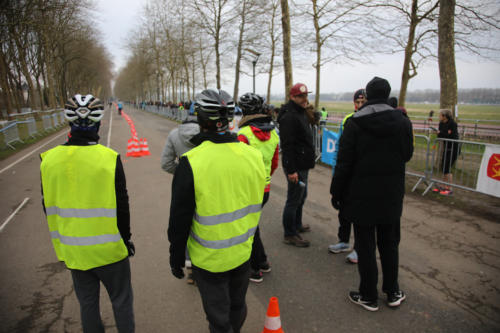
251,103
214,109
83,112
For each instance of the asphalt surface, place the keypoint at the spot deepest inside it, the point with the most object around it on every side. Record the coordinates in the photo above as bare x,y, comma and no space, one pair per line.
450,261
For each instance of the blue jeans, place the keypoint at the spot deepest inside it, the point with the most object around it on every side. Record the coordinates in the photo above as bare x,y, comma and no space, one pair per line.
295,199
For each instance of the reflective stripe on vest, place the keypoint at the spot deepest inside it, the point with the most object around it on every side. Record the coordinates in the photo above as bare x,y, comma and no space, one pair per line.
267,148
229,180
84,241
225,243
80,213
78,185
227,217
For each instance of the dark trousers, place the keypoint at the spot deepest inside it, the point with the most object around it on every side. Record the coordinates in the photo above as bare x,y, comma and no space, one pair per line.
344,228
387,240
258,255
116,278
295,199
223,297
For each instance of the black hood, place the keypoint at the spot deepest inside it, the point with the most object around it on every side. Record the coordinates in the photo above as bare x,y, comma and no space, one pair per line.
214,137
380,120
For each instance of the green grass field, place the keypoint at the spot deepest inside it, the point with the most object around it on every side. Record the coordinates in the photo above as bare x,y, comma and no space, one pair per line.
465,111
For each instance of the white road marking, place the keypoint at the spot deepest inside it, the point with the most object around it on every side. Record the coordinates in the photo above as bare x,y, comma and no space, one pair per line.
14,213
110,123
31,152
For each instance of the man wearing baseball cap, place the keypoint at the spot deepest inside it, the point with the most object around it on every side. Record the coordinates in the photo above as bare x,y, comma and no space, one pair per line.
297,149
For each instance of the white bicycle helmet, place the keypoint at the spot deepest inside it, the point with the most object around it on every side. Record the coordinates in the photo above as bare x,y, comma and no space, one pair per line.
83,112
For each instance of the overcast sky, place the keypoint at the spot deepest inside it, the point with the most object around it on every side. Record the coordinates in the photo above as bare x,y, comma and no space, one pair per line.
117,18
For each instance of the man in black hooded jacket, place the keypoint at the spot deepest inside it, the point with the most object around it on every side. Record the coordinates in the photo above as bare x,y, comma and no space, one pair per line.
369,184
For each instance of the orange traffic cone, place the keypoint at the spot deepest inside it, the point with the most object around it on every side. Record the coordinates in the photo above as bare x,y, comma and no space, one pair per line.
273,321
144,147
133,148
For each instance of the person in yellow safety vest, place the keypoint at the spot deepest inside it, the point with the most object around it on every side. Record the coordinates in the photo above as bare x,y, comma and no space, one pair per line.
84,196
324,116
217,194
344,232
257,130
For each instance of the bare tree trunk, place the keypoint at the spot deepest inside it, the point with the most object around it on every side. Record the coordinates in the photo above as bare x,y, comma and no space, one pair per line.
319,44
4,83
269,80
287,56
446,54
238,51
193,70
409,49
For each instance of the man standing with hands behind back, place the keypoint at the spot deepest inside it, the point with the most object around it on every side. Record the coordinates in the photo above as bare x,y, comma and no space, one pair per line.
369,185
297,148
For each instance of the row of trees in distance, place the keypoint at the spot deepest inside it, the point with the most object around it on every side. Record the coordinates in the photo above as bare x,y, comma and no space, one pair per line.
183,46
50,49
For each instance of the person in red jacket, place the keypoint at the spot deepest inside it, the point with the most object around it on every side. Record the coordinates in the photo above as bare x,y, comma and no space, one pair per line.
257,130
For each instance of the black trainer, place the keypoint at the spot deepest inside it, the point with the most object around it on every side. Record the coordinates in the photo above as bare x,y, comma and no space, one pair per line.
396,298
356,298
265,267
256,276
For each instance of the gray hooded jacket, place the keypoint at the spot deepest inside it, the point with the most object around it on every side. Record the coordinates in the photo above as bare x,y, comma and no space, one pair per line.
177,144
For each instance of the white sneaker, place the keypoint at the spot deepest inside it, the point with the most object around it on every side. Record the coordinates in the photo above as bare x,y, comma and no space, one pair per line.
339,247
352,257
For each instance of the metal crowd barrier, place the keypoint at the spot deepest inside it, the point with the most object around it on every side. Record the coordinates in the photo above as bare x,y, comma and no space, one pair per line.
459,160
455,163
47,122
16,130
171,113
11,134
55,119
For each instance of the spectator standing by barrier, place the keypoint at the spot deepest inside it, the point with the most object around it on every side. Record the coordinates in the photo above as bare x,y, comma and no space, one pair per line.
257,130
217,226
298,151
369,184
90,228
447,130
344,232
179,141
324,116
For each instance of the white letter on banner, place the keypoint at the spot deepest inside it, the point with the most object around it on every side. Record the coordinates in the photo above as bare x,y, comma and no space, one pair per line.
330,146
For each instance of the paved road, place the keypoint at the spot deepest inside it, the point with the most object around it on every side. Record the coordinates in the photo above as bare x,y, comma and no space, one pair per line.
450,261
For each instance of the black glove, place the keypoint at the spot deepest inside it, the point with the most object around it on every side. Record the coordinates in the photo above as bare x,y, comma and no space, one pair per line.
335,203
130,248
178,272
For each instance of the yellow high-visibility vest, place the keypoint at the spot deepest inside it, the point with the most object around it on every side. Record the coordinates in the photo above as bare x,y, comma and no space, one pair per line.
267,148
78,185
229,181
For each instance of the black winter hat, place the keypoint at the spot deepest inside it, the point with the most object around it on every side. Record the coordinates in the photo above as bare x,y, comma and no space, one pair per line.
378,88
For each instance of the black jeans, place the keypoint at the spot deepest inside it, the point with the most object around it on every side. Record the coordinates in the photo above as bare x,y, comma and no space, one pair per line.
258,255
223,297
387,240
116,279
295,199
344,228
